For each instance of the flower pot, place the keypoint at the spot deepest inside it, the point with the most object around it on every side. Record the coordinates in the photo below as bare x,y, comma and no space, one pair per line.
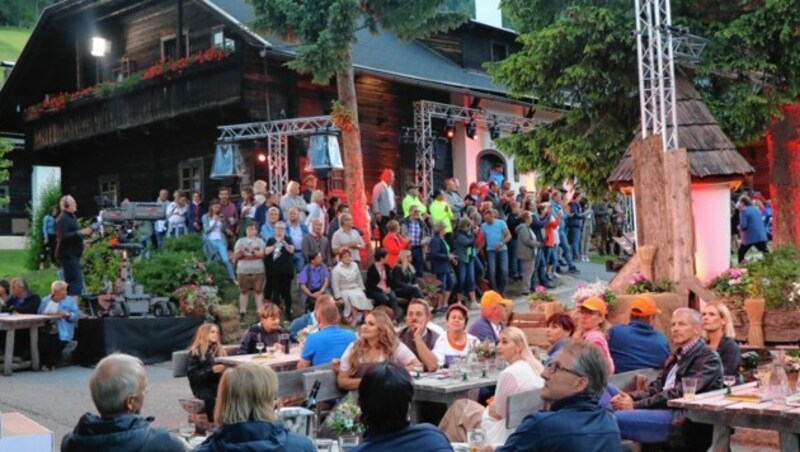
348,442
754,307
546,308
667,302
777,325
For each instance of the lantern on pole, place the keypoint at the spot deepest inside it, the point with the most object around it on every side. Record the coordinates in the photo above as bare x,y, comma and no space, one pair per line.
323,153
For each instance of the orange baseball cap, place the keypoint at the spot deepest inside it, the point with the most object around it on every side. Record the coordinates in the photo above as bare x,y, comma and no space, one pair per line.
644,306
595,304
491,299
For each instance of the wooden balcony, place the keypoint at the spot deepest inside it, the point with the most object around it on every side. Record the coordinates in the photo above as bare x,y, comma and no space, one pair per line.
198,88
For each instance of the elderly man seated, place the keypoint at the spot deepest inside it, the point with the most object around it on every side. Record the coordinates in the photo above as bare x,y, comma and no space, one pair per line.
494,312
643,416
573,382
638,345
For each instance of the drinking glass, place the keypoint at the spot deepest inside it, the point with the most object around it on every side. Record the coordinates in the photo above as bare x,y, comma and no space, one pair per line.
418,371
476,439
324,445
764,374
283,339
260,347
689,388
186,430
456,369
729,381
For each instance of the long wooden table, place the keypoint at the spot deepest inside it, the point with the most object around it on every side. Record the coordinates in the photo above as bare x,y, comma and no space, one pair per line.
279,361
713,408
430,388
13,322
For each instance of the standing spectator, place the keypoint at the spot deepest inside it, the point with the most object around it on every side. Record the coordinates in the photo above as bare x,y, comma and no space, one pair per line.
404,277
522,197
267,331
250,272
638,345
160,227
230,216
512,221
118,386
333,208
246,414
194,216
494,312
49,233
280,268
393,242
348,238
721,337
69,245
313,281
331,341
751,227
473,196
457,205
593,323
247,210
348,286
493,196
602,218
588,229
384,206
442,260
417,336
317,210
497,174
466,258
177,212
550,239
526,250
316,243
21,300
412,199
310,186
203,371
268,227
563,242
292,198
418,235
213,234
58,333
497,236
539,221
297,231
378,285
333,226
575,225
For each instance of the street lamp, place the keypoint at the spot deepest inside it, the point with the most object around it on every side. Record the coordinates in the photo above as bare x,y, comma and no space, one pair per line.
323,152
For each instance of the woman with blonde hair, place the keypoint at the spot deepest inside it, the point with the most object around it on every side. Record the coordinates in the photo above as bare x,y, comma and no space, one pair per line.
246,415
203,372
404,277
293,198
377,342
316,209
719,333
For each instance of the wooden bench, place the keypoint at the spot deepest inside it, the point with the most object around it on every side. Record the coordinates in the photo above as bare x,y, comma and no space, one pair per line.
328,390
533,324
524,403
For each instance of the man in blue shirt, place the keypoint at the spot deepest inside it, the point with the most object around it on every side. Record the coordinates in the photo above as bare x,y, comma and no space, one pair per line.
330,341
638,345
497,235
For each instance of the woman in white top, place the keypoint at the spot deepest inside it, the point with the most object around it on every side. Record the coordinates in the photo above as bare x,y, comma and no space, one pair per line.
348,287
377,342
347,238
292,198
247,210
176,216
214,236
523,374
316,209
457,342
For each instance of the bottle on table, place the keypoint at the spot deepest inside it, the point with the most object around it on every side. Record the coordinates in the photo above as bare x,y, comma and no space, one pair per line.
778,382
311,401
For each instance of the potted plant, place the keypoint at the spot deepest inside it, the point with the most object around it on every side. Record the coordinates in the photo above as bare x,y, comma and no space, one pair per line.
195,300
345,421
542,301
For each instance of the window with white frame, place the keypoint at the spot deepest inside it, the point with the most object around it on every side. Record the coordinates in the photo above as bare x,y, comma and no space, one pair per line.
109,187
169,49
222,40
190,175
4,199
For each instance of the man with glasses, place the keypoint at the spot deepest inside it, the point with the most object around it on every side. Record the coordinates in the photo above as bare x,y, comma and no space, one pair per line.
573,383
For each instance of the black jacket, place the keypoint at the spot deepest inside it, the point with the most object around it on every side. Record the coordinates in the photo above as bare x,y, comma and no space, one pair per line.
728,351
256,334
30,305
202,379
123,433
256,436
69,241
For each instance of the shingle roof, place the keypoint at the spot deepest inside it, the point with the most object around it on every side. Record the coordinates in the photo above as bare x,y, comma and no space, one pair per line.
384,53
711,153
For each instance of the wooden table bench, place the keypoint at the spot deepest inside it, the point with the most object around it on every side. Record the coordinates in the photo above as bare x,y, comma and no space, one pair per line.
12,322
429,388
713,408
278,362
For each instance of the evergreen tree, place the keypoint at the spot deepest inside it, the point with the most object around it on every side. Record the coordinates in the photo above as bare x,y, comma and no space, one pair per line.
325,30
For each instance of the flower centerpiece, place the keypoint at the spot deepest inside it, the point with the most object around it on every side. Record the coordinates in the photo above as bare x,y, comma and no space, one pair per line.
541,294
732,284
641,284
485,350
596,289
303,334
194,299
345,420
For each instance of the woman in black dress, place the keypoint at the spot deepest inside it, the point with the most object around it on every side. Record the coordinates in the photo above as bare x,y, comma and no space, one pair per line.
204,373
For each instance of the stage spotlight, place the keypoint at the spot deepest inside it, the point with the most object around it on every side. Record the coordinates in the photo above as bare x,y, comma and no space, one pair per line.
262,157
494,131
471,129
450,128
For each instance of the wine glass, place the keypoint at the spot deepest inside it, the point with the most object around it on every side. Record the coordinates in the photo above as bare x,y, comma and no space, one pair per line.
418,371
260,347
729,381
186,430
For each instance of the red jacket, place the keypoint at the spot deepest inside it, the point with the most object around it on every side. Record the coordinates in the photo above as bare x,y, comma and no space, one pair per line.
550,231
393,243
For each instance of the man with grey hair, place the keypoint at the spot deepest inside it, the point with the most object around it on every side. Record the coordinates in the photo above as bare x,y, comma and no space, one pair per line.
21,301
643,416
118,386
69,245
573,382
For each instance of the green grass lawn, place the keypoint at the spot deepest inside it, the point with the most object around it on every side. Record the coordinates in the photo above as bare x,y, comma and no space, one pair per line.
12,40
11,265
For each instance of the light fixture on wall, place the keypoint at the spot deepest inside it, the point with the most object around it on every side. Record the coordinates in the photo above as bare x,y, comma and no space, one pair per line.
449,127
494,131
100,47
323,152
471,129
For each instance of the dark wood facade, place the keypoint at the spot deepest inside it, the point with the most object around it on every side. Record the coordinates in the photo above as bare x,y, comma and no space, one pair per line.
143,138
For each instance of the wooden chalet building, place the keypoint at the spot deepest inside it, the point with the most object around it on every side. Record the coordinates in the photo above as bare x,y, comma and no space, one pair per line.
124,125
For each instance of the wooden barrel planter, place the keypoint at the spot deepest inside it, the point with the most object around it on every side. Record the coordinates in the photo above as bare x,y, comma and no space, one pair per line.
667,302
778,326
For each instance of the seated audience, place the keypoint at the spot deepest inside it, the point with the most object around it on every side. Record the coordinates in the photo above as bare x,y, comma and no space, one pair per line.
118,386
394,243
643,416
348,287
250,272
317,242
266,331
442,260
385,395
575,422
347,238
246,414
560,329
20,299
377,343
494,312
638,345
331,341
203,372
417,336
57,333
522,374
719,333
5,292
404,277
379,282
313,281
456,343
593,323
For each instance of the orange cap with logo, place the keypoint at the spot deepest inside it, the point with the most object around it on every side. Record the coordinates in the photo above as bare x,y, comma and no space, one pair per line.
644,306
595,304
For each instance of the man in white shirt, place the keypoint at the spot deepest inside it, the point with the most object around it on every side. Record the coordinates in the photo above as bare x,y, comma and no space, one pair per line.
383,202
